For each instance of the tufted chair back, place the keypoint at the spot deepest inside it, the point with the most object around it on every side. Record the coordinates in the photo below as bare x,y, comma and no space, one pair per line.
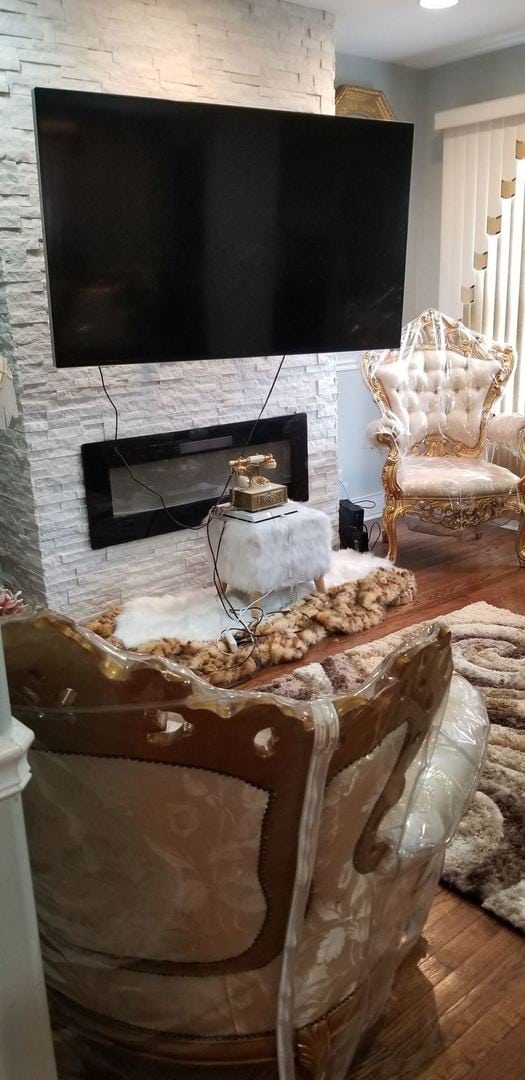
438,388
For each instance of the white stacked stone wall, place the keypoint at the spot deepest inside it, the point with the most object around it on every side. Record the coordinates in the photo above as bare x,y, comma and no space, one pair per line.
244,52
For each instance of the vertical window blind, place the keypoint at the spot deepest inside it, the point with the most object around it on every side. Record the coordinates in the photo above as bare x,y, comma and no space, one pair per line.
482,262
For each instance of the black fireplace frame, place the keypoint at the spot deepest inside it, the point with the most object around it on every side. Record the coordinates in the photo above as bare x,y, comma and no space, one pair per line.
105,529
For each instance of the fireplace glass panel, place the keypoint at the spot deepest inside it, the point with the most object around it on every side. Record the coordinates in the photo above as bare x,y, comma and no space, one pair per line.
193,477
189,469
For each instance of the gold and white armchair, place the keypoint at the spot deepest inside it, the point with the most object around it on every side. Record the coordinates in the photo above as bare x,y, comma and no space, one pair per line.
436,394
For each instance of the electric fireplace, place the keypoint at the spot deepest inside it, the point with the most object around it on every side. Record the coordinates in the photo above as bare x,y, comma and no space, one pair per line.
130,482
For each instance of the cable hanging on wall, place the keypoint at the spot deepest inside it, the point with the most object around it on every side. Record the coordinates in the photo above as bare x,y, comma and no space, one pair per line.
237,615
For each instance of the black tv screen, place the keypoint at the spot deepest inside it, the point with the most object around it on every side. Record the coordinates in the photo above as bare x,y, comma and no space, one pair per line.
183,231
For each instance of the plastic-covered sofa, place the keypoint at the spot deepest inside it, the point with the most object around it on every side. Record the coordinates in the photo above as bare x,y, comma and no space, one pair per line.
226,881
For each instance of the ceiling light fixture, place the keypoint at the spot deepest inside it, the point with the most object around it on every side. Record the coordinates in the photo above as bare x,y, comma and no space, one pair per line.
434,5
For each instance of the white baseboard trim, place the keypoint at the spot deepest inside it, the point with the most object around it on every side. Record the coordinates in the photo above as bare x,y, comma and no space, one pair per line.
375,512
347,361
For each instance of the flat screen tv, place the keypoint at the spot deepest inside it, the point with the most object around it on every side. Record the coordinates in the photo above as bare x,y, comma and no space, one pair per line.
183,231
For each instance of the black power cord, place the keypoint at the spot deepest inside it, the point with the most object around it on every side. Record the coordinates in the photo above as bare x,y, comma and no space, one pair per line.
374,525
158,494
228,608
226,605
127,466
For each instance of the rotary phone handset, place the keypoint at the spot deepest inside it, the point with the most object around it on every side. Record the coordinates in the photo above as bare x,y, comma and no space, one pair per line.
246,469
253,461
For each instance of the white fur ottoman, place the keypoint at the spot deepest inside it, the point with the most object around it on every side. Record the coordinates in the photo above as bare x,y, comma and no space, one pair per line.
282,550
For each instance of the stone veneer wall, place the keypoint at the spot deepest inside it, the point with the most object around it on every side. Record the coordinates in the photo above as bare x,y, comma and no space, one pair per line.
247,52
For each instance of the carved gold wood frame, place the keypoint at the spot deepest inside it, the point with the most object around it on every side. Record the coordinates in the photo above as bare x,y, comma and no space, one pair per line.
125,1046
314,1043
464,512
359,101
132,695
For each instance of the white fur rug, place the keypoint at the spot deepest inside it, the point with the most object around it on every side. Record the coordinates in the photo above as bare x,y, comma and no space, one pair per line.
198,616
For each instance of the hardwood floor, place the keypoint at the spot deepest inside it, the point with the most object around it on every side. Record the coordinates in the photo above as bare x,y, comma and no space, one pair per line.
451,572
457,1011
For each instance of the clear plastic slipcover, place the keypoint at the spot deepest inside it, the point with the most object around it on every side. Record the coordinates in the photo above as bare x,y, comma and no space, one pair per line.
217,871
436,394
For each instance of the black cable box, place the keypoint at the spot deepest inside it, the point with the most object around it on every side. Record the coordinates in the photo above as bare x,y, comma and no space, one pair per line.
353,532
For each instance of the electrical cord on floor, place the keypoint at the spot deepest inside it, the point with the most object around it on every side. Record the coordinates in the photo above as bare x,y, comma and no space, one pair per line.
374,525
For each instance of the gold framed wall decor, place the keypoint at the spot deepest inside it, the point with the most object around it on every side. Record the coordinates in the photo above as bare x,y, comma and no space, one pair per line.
361,102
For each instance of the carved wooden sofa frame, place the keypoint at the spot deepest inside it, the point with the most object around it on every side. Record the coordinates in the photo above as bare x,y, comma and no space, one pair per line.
55,667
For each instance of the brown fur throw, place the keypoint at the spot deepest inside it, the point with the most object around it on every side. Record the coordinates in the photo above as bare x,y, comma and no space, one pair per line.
344,609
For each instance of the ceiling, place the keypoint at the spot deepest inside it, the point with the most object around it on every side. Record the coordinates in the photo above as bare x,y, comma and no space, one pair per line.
403,32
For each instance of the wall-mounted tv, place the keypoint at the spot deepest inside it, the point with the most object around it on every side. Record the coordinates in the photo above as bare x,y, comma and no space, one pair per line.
184,231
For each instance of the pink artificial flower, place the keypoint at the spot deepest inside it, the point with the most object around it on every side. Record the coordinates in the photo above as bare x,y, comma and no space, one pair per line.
11,603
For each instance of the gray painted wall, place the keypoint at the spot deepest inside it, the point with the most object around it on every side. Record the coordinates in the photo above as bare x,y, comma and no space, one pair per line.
360,465
415,96
399,83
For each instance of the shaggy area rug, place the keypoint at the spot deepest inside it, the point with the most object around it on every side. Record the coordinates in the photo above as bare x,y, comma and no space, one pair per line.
360,588
486,859
198,615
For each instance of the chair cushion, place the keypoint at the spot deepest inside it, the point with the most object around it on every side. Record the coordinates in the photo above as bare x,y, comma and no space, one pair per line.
442,476
438,392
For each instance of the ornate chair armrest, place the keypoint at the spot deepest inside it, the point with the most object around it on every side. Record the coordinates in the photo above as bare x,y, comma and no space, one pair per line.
386,431
507,430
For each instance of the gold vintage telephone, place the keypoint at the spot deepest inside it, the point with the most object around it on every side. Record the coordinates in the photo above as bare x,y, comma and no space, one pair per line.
252,491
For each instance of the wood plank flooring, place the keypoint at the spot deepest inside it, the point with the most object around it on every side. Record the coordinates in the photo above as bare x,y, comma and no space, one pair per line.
457,1009
450,572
